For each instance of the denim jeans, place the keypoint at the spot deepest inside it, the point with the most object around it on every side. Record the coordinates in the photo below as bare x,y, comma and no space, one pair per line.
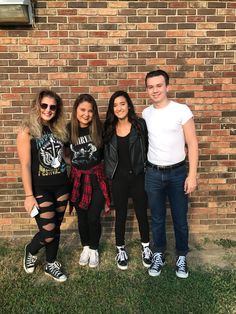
159,185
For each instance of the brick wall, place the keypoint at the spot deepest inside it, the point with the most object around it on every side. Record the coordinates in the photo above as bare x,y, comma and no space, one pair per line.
98,47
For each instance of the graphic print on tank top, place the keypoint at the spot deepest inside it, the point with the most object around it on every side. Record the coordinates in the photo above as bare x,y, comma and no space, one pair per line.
50,151
84,152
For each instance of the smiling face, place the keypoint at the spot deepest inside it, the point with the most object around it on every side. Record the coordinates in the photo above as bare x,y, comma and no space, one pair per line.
48,107
121,108
84,114
157,90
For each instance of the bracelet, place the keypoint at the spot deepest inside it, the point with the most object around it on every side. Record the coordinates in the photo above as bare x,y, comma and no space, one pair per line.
29,195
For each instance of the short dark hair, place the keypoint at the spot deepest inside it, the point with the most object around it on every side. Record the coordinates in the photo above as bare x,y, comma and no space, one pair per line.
157,73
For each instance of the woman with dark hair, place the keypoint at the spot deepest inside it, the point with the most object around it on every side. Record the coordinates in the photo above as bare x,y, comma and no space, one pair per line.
125,139
40,145
89,191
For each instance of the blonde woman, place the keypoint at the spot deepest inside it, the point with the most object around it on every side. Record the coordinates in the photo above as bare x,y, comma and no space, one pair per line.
40,144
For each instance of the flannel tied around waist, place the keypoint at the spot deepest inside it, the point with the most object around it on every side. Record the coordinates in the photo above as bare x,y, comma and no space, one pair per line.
85,199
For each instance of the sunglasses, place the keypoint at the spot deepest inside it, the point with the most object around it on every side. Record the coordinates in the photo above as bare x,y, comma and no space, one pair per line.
45,106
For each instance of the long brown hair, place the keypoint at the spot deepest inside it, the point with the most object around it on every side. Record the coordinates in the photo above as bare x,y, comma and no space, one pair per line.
95,127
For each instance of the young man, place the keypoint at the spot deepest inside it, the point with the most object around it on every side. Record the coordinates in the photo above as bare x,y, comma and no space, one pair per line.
170,126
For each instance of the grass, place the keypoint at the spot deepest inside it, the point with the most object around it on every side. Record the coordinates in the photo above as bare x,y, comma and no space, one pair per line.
225,243
109,290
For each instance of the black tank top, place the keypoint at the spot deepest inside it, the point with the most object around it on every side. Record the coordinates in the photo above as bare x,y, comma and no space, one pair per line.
47,164
124,164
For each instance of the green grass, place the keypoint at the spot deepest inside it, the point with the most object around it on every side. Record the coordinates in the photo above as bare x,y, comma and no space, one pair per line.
226,243
109,290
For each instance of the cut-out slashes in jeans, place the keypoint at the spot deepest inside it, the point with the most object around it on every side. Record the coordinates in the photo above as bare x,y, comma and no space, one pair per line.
52,203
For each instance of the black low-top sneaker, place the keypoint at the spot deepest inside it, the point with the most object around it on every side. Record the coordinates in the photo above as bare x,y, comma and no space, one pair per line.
29,261
181,267
54,270
122,259
158,261
146,256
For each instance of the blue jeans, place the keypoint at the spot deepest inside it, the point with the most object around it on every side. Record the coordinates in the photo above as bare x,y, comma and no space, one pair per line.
159,185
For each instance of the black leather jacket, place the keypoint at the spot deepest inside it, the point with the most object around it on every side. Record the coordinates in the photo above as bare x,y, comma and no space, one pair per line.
138,144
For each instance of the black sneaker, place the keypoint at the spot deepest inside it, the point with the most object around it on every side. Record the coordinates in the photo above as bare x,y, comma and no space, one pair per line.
181,267
158,261
122,259
146,256
29,262
54,270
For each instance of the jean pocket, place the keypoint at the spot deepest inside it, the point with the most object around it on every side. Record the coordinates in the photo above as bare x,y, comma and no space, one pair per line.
180,171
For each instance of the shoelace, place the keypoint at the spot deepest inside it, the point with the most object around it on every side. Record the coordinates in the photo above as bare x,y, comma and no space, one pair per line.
31,259
55,268
147,253
181,263
157,260
122,256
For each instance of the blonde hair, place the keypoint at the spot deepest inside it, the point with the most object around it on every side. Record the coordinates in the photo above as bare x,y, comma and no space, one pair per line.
57,124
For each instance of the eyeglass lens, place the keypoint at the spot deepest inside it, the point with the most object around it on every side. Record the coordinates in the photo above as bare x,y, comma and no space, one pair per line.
51,107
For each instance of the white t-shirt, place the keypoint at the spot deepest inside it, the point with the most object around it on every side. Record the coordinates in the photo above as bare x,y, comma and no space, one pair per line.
165,133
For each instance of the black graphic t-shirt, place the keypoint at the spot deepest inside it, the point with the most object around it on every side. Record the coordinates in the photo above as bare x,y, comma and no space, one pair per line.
85,154
47,164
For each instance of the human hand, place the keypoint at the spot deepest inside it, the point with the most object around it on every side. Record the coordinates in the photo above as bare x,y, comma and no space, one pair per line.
190,184
29,203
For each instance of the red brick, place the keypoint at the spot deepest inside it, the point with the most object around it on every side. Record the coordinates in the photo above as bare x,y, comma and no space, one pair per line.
99,47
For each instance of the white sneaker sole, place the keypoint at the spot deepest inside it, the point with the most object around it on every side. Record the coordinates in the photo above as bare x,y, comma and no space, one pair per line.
93,265
122,267
156,274
182,275
83,263
146,265
27,270
58,280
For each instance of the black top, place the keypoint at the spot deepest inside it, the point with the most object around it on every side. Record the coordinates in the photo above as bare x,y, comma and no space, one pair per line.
136,152
47,164
124,163
85,154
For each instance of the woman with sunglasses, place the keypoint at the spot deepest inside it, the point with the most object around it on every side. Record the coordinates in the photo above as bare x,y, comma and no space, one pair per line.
90,191
125,138
40,144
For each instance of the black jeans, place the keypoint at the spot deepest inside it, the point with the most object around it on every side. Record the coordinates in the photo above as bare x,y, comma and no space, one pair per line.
89,220
123,187
52,201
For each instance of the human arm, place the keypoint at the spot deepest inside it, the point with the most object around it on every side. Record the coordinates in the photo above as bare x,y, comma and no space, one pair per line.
192,145
67,155
24,153
67,151
144,134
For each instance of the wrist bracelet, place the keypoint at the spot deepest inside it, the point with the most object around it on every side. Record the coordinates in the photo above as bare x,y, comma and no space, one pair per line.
29,195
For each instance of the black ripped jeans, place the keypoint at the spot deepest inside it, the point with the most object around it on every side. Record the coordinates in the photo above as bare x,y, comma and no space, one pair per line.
52,201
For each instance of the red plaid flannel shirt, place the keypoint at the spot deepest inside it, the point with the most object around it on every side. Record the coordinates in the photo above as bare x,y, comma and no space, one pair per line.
85,198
